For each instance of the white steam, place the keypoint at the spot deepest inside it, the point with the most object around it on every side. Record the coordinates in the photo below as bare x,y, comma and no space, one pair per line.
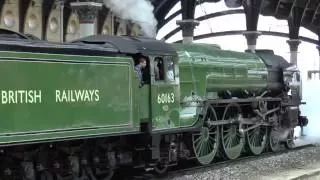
138,11
311,110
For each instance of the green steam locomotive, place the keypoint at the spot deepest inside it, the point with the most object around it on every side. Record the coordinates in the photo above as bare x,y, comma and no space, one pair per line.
78,110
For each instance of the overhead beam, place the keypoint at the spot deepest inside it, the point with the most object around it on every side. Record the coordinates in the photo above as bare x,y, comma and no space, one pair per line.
283,9
163,8
240,32
316,16
220,13
309,12
163,21
206,17
168,19
163,4
268,8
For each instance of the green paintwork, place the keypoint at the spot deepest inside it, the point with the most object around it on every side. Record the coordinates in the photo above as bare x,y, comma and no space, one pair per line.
112,112
165,98
206,69
122,104
165,115
143,104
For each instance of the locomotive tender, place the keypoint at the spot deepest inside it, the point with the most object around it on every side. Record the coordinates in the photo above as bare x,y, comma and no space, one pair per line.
78,109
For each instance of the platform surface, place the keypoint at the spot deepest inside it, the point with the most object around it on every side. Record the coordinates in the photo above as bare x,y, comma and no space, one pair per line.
311,172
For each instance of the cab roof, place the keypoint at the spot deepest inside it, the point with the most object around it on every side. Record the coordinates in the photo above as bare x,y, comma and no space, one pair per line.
129,44
91,45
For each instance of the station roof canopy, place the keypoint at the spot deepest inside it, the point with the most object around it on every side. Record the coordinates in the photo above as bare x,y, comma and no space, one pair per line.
308,10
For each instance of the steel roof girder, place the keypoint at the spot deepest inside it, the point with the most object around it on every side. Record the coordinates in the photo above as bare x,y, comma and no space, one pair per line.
308,12
312,4
168,19
163,8
283,9
301,3
316,15
294,22
240,32
188,8
268,8
252,12
206,17
308,17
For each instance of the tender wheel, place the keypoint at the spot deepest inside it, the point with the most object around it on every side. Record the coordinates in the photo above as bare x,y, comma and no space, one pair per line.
105,176
82,176
257,139
205,143
232,141
46,175
78,172
274,141
161,168
289,144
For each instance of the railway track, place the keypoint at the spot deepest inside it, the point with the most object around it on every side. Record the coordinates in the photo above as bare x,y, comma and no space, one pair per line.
193,166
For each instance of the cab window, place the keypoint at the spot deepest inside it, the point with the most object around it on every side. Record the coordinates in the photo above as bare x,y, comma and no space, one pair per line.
164,69
158,69
146,70
170,70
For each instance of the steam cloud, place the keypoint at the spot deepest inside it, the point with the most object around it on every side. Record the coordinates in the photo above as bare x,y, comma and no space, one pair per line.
138,11
311,110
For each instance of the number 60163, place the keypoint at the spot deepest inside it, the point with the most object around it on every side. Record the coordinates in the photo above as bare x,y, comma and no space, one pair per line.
164,98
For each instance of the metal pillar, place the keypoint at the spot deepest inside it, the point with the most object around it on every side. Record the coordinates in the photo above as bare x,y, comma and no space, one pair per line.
188,23
87,11
252,37
294,45
294,23
252,11
187,27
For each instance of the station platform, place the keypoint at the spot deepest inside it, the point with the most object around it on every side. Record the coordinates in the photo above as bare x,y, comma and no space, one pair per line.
311,172
307,172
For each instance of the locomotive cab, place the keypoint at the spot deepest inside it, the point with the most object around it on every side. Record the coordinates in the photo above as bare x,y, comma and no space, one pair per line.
162,73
